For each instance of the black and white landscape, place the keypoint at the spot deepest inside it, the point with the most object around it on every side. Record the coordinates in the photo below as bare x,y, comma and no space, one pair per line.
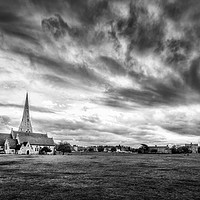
116,82
102,72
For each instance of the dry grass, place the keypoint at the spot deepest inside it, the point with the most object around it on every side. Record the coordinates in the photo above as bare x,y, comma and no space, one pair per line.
100,176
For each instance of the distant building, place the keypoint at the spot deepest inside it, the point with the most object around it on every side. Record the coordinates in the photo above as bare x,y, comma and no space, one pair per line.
107,149
118,148
159,149
24,141
91,149
192,147
77,148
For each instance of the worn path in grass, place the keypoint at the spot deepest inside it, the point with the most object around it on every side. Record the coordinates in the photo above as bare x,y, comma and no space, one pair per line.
100,176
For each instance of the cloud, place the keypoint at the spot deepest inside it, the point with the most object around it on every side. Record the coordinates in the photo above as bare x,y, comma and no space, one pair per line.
5,120
177,10
33,108
192,75
114,67
80,71
15,24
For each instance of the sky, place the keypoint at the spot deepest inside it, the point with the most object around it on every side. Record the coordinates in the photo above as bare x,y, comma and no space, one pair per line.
102,72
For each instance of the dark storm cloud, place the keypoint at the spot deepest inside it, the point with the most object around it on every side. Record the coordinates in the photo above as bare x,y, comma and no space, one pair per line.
33,108
154,93
185,16
140,29
113,66
184,128
8,17
147,34
58,28
22,34
56,80
50,6
86,11
141,33
178,9
60,125
192,76
80,71
92,125
178,50
89,11
119,97
55,26
115,100
13,23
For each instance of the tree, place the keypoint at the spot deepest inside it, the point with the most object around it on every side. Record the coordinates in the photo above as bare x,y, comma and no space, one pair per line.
100,148
174,149
45,150
143,149
113,149
91,149
186,149
64,147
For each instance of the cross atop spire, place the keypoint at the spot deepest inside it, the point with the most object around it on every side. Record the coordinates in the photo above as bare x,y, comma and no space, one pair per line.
25,125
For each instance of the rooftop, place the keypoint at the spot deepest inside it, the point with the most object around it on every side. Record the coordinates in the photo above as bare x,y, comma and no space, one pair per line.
3,137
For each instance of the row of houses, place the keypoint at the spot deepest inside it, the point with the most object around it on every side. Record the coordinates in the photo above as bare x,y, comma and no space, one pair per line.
159,149
187,148
119,148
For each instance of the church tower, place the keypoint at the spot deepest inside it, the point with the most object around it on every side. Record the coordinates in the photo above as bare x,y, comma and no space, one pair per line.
25,125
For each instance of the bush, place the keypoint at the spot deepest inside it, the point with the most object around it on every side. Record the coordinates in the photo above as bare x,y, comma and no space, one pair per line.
44,150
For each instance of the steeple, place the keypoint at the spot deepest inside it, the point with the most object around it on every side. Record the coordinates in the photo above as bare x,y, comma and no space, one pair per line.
25,125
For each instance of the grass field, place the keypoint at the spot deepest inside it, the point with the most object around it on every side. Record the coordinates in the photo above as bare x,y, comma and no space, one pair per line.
100,176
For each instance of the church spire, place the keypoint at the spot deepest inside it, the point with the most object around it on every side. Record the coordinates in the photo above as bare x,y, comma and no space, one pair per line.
25,125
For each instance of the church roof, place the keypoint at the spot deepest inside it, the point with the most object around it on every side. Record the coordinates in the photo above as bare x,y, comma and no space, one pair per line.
35,138
3,137
12,143
28,134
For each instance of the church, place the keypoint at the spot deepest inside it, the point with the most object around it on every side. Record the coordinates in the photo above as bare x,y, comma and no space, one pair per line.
25,141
